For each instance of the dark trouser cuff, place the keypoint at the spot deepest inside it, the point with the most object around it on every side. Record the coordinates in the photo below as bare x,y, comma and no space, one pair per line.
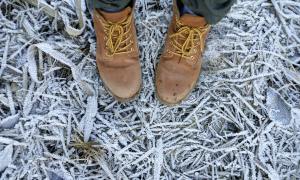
110,5
212,10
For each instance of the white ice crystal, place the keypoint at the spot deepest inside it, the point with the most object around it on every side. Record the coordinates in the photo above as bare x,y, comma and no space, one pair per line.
278,110
58,122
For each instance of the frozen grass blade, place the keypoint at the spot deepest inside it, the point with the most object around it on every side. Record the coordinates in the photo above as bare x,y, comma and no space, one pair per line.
62,123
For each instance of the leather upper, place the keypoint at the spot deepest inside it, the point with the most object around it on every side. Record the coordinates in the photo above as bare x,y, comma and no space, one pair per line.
117,53
179,67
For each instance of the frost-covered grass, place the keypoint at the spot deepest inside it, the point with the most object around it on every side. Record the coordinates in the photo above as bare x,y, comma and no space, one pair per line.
241,121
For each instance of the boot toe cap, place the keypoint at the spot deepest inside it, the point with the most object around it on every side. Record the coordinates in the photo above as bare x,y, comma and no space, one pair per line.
172,91
123,84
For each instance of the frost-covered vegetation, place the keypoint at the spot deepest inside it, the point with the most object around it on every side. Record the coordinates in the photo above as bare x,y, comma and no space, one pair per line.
241,122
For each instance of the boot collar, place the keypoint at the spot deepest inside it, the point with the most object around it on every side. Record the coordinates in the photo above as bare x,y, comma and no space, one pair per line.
188,19
116,16
192,21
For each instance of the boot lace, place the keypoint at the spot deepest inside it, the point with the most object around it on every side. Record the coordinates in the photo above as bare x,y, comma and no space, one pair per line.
187,39
118,37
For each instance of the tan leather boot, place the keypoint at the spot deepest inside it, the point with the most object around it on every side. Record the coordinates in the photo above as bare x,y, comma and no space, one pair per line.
179,67
117,53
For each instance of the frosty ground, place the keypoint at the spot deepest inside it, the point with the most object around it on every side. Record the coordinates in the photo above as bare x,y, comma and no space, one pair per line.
58,122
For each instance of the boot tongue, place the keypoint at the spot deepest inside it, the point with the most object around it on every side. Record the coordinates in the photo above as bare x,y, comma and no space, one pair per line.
193,21
116,16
